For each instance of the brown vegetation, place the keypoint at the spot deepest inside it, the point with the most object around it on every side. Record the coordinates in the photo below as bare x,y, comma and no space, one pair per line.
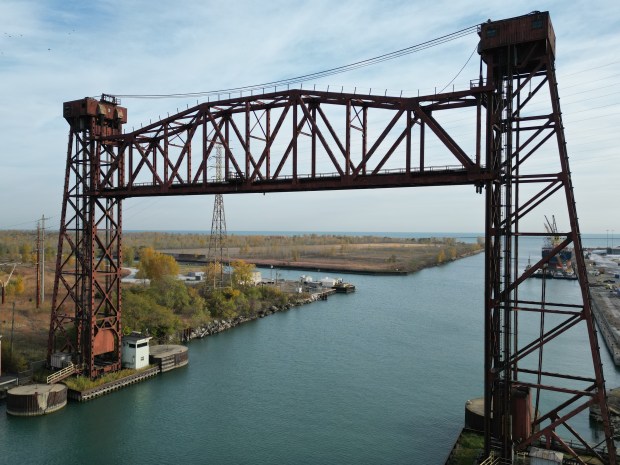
343,253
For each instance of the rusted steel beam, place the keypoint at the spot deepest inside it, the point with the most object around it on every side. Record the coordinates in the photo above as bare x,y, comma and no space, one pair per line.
455,176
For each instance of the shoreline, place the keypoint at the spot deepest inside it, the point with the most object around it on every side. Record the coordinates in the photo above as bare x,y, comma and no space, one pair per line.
320,266
219,326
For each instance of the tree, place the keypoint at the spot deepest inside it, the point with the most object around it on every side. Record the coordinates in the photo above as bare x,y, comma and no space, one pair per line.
142,313
15,286
242,273
213,275
26,252
129,256
156,265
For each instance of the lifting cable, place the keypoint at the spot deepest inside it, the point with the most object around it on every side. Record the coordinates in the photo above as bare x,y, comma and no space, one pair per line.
319,74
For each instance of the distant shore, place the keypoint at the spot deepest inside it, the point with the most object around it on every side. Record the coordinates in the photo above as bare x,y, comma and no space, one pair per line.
345,254
318,266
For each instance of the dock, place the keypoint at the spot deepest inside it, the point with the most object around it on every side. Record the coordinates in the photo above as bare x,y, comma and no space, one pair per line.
169,356
604,272
6,383
606,308
107,388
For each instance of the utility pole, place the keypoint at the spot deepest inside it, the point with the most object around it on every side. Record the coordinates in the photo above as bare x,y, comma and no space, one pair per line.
41,260
12,327
38,268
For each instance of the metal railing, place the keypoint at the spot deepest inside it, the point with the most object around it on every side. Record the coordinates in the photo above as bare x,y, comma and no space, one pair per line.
62,374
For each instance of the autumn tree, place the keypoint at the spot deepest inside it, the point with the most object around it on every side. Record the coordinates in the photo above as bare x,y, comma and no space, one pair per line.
15,286
213,275
26,253
156,265
241,273
129,256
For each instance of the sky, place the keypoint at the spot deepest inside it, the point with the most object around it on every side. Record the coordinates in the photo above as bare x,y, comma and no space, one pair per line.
60,50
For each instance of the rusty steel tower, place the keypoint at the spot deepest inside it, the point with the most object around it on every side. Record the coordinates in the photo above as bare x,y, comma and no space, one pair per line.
514,151
86,303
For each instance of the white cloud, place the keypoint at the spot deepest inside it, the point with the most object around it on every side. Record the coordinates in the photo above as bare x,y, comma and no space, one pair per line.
62,51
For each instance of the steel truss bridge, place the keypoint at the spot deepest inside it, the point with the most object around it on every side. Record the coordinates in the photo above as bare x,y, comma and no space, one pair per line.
305,140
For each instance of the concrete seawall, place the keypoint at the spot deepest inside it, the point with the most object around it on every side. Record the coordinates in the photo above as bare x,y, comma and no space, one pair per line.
606,308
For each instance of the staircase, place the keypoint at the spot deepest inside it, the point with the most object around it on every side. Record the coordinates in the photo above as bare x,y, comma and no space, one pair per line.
62,374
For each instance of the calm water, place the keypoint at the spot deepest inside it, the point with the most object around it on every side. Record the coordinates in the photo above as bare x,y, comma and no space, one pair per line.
379,376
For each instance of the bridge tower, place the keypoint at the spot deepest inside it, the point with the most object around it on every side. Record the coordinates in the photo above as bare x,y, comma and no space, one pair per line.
86,304
519,54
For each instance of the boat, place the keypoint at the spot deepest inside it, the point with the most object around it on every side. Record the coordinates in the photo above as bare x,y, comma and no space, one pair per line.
560,265
343,288
562,261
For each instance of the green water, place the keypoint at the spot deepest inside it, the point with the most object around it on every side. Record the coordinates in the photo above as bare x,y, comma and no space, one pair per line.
379,376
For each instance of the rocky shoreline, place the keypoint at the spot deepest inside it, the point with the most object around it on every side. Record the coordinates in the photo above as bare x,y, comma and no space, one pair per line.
219,326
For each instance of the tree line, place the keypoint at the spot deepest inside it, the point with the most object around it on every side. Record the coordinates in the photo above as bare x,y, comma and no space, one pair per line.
168,305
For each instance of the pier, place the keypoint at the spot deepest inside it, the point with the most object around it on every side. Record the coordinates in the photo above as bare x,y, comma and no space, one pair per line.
107,388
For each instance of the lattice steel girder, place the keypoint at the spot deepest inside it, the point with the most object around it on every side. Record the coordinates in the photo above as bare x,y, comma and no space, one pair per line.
167,155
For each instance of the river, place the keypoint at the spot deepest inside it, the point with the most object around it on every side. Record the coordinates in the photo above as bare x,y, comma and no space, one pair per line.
378,376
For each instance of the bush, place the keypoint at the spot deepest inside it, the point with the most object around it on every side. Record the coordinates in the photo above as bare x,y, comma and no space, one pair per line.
12,363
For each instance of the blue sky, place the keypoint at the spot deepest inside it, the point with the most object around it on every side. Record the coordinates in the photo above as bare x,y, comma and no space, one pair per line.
54,51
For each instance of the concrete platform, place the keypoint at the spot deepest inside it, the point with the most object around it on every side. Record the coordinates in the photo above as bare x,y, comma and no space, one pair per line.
36,399
169,356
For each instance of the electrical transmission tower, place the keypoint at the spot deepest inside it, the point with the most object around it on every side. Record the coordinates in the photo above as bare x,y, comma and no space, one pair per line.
218,250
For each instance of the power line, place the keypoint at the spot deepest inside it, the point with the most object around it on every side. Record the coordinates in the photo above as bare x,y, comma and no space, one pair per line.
319,74
25,222
461,70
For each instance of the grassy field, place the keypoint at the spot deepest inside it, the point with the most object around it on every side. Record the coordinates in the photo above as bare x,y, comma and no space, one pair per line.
23,327
398,256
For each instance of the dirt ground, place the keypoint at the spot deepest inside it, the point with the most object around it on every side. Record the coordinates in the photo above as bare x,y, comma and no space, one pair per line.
20,321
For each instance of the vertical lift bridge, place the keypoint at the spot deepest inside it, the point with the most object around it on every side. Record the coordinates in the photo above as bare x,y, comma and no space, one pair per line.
284,140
